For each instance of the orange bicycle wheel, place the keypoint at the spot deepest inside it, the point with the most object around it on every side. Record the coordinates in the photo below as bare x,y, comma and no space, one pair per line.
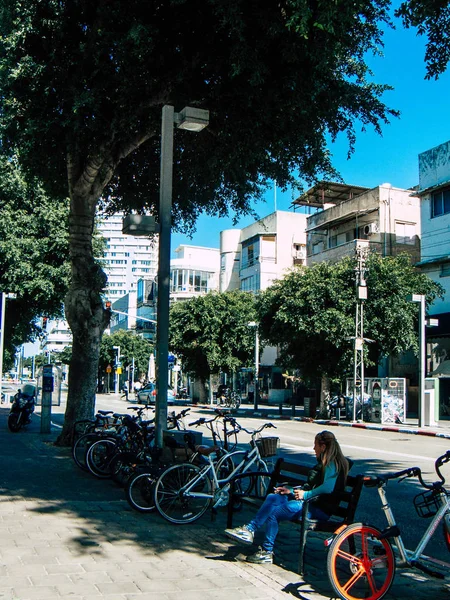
359,564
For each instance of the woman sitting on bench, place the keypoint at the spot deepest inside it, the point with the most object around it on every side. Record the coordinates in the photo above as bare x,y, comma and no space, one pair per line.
286,503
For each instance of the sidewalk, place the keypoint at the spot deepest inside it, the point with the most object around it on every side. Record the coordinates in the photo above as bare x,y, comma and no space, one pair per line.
65,534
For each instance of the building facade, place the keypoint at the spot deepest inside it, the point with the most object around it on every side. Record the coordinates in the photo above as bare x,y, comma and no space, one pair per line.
127,258
251,259
388,218
434,194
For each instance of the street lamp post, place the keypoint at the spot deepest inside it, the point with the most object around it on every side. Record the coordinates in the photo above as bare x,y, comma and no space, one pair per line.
116,382
256,397
192,119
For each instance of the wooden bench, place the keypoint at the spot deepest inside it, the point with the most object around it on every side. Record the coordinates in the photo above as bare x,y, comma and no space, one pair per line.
296,474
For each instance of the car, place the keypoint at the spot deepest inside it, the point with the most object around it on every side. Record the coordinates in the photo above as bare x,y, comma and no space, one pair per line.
147,394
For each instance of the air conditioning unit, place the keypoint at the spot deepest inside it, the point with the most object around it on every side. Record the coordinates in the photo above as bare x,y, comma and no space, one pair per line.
300,254
371,228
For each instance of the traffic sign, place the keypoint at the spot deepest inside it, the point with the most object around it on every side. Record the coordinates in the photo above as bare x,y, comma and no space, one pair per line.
108,369
119,370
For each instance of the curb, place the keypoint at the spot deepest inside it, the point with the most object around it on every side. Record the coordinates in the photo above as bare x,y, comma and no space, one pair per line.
330,423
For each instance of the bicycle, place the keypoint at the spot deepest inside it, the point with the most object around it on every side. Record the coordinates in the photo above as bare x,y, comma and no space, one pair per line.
183,493
228,398
361,562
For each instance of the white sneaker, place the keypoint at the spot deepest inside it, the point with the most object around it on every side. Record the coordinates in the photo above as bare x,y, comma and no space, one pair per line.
242,534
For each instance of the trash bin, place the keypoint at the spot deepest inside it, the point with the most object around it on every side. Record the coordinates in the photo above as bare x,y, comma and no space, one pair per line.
310,407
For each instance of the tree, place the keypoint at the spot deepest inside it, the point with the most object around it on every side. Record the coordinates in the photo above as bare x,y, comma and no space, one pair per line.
210,334
431,18
310,314
132,346
82,86
34,254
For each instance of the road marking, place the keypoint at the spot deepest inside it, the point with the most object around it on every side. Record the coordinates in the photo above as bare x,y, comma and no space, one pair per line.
375,450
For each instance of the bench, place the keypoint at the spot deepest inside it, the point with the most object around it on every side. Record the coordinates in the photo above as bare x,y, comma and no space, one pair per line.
296,474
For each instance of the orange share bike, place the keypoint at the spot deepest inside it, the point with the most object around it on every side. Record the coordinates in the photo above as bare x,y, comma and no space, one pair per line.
362,559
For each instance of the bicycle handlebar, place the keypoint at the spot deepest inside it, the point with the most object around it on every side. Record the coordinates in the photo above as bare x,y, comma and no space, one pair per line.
255,431
411,472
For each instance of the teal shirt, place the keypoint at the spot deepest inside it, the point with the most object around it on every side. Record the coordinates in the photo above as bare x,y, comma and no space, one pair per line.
329,481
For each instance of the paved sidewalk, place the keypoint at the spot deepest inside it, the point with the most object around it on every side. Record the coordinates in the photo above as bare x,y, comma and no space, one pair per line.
65,534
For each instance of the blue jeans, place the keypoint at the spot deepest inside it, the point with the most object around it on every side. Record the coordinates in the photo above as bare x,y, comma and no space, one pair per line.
278,508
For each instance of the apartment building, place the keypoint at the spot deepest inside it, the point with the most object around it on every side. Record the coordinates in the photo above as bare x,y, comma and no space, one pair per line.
127,258
386,217
252,258
434,195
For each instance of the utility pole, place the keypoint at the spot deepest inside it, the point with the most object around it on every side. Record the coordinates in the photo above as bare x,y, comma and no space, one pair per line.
362,252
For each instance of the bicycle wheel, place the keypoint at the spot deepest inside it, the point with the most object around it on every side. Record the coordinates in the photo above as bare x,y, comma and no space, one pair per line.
99,457
359,564
140,492
176,505
80,448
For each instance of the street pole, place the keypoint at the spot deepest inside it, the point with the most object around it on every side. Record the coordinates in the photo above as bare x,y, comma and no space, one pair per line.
420,299
422,362
362,249
2,338
255,401
162,309
116,382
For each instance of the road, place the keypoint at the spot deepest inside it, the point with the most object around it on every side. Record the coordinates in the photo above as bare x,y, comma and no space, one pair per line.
373,452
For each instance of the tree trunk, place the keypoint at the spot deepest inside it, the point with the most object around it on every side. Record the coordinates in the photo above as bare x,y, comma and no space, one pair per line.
85,314
324,396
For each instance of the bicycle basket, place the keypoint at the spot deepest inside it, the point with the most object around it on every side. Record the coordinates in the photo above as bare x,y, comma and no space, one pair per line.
427,504
268,446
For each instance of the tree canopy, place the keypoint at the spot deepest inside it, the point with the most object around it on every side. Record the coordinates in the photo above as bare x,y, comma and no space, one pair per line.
210,334
34,254
83,83
310,313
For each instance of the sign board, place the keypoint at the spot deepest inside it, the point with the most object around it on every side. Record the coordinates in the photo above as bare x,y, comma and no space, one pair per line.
108,369
119,370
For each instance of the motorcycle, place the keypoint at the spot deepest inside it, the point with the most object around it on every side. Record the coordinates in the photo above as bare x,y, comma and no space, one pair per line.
23,404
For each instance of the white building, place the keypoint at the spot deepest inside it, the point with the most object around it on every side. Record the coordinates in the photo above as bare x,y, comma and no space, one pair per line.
434,193
386,216
127,258
194,271
253,257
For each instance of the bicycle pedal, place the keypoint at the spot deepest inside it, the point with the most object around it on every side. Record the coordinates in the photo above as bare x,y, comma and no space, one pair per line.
379,551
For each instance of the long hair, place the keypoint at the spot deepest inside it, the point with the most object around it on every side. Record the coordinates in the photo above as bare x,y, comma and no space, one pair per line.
332,452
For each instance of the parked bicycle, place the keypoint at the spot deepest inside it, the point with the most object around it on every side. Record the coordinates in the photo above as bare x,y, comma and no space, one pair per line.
361,561
227,398
183,493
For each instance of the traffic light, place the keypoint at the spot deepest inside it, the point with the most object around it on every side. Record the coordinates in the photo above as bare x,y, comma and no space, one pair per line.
44,323
108,305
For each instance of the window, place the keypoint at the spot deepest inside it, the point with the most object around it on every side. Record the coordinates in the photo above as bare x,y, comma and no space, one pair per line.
440,203
405,232
445,270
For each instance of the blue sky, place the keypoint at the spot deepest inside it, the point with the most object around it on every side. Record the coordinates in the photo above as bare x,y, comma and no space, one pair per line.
393,157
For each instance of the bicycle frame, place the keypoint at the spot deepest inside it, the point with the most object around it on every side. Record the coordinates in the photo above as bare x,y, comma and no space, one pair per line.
409,557
251,457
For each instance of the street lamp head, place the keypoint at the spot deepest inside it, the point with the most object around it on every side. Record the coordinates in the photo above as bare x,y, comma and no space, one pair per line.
192,119
252,324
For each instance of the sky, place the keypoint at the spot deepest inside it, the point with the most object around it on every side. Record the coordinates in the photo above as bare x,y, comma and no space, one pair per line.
391,158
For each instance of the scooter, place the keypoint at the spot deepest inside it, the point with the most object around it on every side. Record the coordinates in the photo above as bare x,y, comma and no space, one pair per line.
23,404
